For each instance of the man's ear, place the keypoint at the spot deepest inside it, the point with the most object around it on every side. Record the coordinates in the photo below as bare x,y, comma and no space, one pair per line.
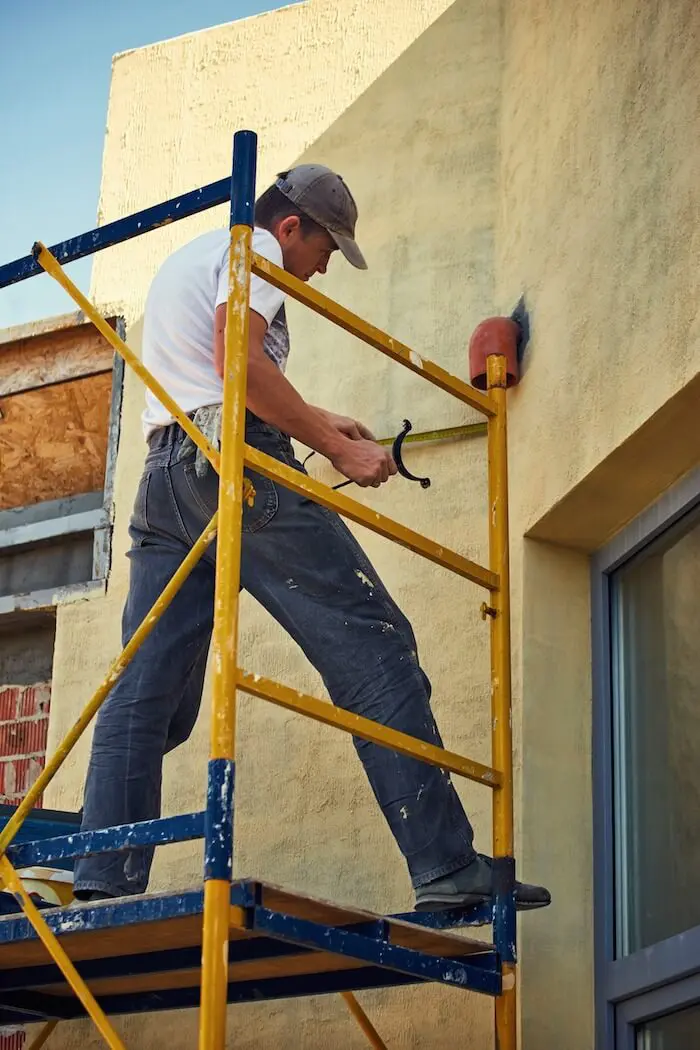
287,228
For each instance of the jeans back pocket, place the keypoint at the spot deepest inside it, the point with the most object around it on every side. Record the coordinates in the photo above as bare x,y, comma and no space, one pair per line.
205,493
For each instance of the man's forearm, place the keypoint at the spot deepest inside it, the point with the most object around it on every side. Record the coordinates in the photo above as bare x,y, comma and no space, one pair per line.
273,398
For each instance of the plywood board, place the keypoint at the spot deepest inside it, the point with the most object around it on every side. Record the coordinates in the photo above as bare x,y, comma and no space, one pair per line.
405,934
289,903
53,357
53,441
139,937
186,931
47,324
251,970
180,932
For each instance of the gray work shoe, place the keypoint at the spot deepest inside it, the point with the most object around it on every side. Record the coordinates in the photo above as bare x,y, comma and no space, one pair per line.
473,885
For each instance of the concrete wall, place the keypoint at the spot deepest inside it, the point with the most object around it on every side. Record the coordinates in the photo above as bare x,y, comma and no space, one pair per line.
494,149
26,652
58,564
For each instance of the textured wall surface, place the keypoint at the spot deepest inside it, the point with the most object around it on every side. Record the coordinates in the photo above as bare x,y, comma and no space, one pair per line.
599,220
494,149
424,176
600,224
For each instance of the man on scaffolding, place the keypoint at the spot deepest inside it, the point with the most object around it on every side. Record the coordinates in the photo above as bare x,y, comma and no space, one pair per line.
298,560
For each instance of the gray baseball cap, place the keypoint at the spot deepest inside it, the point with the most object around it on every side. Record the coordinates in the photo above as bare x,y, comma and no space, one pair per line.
325,198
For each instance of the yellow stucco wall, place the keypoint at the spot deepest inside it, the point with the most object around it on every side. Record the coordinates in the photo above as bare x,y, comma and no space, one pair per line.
598,224
494,149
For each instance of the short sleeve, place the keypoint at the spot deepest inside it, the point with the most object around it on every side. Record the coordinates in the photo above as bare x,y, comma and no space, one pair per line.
265,299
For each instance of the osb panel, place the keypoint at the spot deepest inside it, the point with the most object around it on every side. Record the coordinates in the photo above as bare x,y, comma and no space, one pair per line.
53,441
44,325
53,357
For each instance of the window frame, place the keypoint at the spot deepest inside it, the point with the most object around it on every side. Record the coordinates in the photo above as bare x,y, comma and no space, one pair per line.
665,976
78,516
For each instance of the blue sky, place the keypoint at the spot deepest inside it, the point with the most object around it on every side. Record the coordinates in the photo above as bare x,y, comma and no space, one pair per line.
55,64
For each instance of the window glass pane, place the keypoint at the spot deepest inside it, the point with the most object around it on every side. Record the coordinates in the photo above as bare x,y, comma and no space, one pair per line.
679,1031
656,703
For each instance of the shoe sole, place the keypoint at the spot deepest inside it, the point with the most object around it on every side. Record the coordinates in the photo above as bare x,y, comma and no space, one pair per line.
448,902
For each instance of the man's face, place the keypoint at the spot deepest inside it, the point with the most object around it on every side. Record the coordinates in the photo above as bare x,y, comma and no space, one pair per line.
304,256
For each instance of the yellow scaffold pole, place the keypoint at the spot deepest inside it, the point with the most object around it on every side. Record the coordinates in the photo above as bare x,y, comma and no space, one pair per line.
363,1021
52,266
43,1035
501,732
218,848
50,941
98,697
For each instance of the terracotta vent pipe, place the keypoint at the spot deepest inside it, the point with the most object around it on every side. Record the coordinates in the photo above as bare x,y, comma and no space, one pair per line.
495,335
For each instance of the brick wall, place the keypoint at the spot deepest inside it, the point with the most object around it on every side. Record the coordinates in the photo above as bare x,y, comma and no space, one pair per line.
12,1039
24,721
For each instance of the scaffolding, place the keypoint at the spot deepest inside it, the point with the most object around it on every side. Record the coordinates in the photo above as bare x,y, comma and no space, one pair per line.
237,941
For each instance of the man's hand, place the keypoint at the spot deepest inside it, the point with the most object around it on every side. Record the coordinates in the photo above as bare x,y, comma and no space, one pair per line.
362,459
364,462
347,444
351,428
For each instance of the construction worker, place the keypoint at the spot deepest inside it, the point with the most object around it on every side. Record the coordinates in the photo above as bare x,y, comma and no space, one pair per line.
299,560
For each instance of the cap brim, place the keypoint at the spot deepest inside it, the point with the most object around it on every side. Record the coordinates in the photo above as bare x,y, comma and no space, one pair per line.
350,250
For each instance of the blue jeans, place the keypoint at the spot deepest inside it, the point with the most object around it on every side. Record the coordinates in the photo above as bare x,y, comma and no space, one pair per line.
302,564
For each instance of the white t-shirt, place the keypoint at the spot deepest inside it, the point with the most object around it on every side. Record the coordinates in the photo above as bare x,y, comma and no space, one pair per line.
178,327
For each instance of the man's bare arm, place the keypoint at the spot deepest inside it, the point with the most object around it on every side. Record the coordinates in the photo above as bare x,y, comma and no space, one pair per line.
273,399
